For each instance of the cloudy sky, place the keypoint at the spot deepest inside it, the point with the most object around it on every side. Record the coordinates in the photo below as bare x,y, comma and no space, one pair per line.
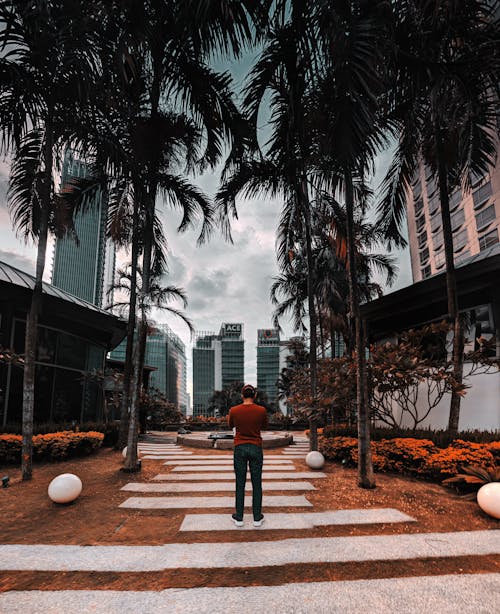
224,282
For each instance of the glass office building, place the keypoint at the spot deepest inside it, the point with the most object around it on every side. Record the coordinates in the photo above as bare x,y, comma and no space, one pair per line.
73,339
85,267
218,361
166,353
268,363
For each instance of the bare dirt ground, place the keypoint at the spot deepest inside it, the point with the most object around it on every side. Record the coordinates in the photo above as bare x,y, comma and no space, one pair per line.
27,516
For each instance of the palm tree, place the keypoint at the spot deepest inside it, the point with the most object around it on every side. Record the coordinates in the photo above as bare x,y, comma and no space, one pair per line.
444,103
48,66
283,72
171,62
159,297
348,135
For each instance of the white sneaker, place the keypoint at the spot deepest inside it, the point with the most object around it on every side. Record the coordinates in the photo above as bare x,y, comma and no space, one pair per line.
238,523
258,523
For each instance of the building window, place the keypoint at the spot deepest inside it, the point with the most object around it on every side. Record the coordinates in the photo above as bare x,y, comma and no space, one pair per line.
419,207
417,190
485,217
438,240
481,195
455,199
463,256
422,240
420,223
426,271
460,239
489,239
475,179
439,259
435,223
434,202
424,255
457,219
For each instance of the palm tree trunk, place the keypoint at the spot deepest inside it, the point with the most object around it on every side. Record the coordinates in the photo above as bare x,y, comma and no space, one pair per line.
133,430
313,357
131,325
451,283
365,468
31,339
321,331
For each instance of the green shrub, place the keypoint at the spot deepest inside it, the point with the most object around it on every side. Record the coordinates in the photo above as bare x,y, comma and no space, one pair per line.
51,446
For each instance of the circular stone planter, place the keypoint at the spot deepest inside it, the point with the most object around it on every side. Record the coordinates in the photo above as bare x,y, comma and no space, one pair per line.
65,488
201,440
315,460
488,499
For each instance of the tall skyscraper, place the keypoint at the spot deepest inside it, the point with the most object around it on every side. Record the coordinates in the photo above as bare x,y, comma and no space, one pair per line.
475,221
166,352
85,268
268,363
218,361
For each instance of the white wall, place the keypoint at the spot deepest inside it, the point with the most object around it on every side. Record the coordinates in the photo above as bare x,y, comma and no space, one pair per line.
479,409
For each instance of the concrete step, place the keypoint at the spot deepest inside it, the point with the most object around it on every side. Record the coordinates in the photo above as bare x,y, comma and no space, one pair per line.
229,467
168,487
294,520
17,557
266,475
183,503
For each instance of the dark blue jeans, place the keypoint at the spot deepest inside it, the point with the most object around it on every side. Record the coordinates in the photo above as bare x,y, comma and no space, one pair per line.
248,454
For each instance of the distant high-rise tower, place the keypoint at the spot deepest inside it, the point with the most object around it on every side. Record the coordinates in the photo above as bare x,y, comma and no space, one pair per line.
475,220
218,361
268,363
166,352
85,268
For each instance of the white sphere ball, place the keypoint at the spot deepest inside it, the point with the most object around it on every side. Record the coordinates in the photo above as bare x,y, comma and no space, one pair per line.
124,452
315,460
65,488
488,498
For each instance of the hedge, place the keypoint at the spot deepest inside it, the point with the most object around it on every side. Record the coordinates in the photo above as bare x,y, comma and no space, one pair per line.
440,438
416,457
109,429
51,446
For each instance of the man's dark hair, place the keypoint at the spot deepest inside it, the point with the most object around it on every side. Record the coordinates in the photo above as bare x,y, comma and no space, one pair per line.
248,391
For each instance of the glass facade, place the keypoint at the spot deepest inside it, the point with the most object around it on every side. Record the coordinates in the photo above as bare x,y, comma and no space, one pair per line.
79,266
218,361
166,353
62,393
268,363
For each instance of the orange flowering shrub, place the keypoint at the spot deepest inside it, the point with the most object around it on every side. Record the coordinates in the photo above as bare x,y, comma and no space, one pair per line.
52,446
308,432
418,457
338,448
494,448
448,462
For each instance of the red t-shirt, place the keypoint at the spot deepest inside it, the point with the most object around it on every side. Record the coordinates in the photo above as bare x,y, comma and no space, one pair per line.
249,419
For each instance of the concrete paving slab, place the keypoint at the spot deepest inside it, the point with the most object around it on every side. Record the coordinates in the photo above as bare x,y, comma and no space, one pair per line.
168,487
223,461
177,456
266,475
171,503
150,456
17,557
267,467
446,594
294,520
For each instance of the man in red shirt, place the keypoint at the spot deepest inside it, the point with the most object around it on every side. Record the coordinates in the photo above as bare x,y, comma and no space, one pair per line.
248,419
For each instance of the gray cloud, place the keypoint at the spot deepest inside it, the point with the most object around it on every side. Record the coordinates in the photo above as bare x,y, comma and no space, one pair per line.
17,260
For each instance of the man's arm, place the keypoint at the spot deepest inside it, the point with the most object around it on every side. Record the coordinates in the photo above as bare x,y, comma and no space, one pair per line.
265,422
230,419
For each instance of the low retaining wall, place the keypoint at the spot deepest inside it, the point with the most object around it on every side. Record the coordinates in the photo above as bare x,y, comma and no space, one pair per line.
194,440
